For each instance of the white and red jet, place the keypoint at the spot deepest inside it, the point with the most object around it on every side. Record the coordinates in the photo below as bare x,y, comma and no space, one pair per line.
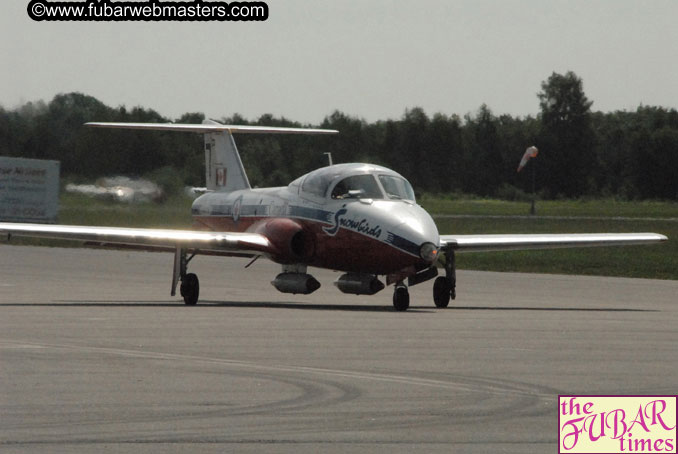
361,219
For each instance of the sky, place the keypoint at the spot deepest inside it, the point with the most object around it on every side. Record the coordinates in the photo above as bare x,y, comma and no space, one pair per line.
369,59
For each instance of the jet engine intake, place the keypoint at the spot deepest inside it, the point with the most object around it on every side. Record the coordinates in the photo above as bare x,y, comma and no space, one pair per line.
359,284
292,242
297,283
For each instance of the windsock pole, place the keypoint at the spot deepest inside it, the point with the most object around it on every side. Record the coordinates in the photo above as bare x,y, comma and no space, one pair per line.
531,152
533,210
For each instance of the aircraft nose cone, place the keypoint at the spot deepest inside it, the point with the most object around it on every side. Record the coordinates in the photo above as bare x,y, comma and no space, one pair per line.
417,230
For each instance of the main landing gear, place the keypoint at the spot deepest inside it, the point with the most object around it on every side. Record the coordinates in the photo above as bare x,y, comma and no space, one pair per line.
444,287
190,289
401,297
190,285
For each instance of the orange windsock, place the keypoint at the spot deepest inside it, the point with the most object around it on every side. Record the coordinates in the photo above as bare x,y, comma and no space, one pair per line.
529,153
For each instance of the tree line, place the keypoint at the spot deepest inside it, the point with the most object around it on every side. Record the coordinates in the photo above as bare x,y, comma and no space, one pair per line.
624,154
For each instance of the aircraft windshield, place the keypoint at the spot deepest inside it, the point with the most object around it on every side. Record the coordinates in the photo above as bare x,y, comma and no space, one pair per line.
359,187
396,187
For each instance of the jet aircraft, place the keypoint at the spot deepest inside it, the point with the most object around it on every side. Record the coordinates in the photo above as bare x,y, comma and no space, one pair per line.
360,219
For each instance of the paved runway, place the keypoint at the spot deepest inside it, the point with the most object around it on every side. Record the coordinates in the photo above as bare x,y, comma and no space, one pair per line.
96,357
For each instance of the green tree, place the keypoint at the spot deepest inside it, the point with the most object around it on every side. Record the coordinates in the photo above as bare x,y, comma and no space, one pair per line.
484,161
567,143
657,161
628,154
444,153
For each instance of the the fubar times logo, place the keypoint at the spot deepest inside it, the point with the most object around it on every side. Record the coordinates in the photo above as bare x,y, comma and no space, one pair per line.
617,424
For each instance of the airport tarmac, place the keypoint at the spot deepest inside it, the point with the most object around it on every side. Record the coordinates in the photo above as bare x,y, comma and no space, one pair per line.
96,357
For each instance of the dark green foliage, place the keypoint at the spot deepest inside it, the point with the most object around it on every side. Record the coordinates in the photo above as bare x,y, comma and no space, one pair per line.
627,155
483,150
566,139
170,180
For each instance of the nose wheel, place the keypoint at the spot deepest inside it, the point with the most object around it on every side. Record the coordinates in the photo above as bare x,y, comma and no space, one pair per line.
401,298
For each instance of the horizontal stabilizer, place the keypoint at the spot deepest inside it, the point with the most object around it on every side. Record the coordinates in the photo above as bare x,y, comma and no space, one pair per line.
211,127
224,170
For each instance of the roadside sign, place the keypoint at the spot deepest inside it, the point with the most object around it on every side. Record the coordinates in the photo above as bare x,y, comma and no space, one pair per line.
29,190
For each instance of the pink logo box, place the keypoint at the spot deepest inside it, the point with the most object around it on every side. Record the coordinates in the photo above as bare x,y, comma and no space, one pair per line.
589,424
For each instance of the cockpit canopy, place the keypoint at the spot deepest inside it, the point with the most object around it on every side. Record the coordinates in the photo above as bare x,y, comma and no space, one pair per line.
355,181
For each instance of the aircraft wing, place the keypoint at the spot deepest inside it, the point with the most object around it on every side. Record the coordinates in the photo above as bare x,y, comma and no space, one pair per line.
218,243
510,242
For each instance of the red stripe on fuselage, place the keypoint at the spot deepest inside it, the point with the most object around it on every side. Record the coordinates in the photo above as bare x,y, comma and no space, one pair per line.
346,251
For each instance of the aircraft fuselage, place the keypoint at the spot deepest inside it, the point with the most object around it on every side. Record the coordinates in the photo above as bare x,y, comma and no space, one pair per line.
361,235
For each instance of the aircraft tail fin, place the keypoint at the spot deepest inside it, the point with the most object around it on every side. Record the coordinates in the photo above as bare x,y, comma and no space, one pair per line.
223,168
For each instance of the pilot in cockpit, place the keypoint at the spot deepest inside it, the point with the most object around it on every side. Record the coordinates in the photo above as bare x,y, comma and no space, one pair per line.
357,186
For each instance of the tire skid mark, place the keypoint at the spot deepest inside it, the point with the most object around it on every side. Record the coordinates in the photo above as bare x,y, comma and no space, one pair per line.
319,388
489,385
313,393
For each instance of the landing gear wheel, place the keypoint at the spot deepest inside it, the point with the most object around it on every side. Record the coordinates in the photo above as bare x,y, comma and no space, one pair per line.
441,291
401,298
190,289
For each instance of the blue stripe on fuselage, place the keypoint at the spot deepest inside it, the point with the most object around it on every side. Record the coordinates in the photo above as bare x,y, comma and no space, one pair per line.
314,214
402,243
